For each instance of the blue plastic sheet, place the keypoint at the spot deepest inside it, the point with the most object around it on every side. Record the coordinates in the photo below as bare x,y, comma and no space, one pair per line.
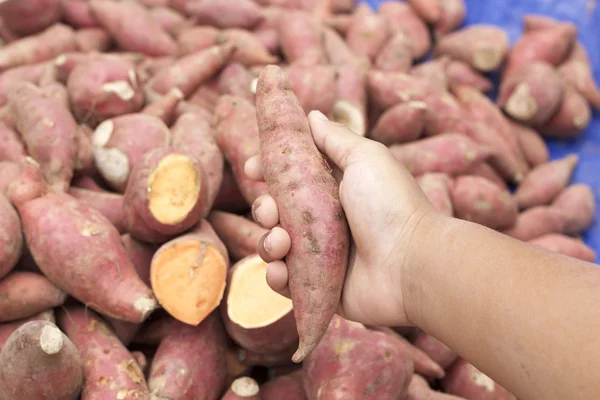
584,13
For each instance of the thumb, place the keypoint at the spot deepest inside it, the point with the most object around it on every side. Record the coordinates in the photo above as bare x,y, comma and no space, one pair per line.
336,141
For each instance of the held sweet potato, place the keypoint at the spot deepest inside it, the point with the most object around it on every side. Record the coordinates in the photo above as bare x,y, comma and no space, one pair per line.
545,182
11,145
191,362
419,389
578,204
110,205
367,33
27,17
314,86
452,15
460,73
350,107
189,273
463,379
25,294
436,350
479,200
577,72
239,234
288,387
243,388
118,147
248,49
537,221
450,153
39,362
92,39
357,363
48,131
436,187
60,256
301,38
243,14
133,28
532,145
400,17
319,234
571,118
483,47
110,371
566,245
7,329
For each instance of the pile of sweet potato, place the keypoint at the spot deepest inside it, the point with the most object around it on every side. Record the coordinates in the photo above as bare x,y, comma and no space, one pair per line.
128,256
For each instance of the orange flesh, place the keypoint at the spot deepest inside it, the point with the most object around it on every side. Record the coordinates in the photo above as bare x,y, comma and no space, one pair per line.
188,280
173,189
251,302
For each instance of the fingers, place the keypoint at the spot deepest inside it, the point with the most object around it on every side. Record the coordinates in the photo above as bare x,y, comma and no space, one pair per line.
277,278
274,245
264,211
252,169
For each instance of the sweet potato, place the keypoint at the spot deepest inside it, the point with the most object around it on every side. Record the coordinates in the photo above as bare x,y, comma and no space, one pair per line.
350,108
537,221
532,145
533,94
110,371
460,73
571,118
86,182
141,360
236,131
327,240
165,108
92,39
479,200
191,362
436,350
400,17
9,171
193,135
12,78
206,97
419,389
429,10
545,182
60,257
104,87
191,71
433,71
39,349
133,28
118,149
243,14
169,20
248,50
11,146
452,15
288,387
367,33
27,17
395,55
577,72
436,187
301,38
230,198
7,329
449,153
239,234
578,204
566,245
337,50
110,205
48,131
155,330
11,237
77,13
236,80
463,379
43,46
269,360
401,123
242,388
314,86
197,38
339,23
341,366
486,171
483,47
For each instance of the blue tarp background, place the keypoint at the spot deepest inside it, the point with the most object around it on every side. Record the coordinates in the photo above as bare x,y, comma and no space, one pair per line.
585,14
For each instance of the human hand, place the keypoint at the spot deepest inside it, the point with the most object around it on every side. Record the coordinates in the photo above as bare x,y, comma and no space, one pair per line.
384,207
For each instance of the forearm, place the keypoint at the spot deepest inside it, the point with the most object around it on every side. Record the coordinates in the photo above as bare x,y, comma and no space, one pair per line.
528,318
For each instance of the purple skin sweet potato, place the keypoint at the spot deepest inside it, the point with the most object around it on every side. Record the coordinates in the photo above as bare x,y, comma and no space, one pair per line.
436,350
577,71
483,47
429,10
133,28
9,172
169,20
165,108
191,71
236,131
533,94
436,187
110,205
545,182
11,146
419,389
230,198
110,371
48,131
401,123
236,80
337,50
368,32
464,380
206,97
193,135
196,38
341,366
450,153
28,17
6,329
572,117
118,150
104,87
566,245
140,254
25,294
319,233
461,73
485,170
452,15
55,240
167,193
433,71
478,200
248,50
350,107
34,49
239,234
14,76
39,349
532,145
77,13
281,358
289,387
190,362
578,204
537,221
301,38
242,388
395,55
400,17
314,86
92,39
243,14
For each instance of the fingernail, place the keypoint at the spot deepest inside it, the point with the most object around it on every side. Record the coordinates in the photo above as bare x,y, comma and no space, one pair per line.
267,243
255,207
320,115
